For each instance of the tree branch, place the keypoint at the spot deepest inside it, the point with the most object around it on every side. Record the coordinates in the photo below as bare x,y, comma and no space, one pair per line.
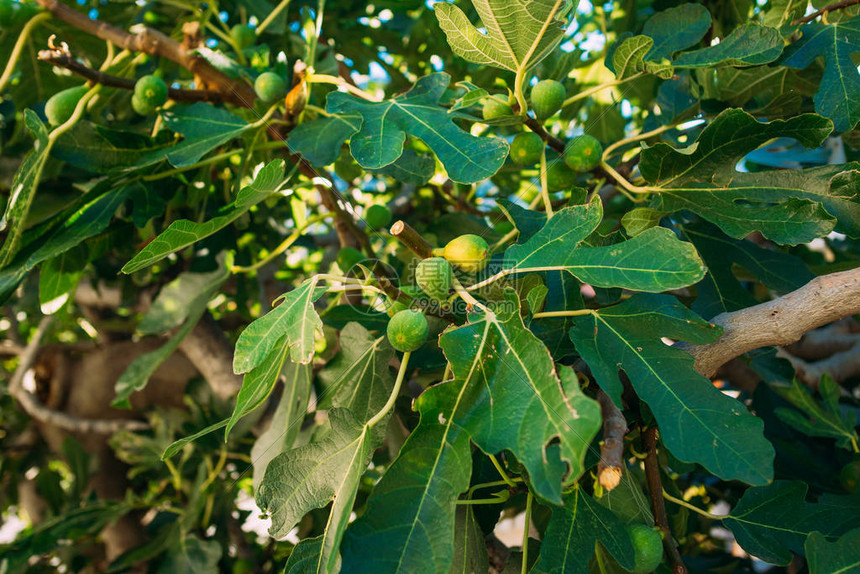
611,463
550,139
211,353
828,8
840,366
782,321
34,407
655,491
822,343
155,43
64,60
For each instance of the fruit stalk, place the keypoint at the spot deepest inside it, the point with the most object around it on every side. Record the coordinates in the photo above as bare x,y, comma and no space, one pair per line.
392,398
550,139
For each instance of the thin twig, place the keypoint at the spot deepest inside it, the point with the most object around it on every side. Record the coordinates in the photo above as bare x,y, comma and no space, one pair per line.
63,60
550,139
155,43
655,491
828,8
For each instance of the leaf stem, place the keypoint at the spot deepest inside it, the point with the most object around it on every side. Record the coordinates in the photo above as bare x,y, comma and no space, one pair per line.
448,371
544,185
339,279
586,93
491,484
285,244
314,40
498,498
626,185
341,83
347,288
505,238
219,466
466,296
642,136
505,478
570,313
519,80
210,160
263,121
272,15
492,279
601,567
689,506
525,566
19,45
401,374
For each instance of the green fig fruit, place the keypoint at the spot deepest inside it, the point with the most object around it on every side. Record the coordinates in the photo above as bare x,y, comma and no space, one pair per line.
407,330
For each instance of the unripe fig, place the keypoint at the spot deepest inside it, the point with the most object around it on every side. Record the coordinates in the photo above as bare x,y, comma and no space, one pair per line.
140,107
349,257
407,330
583,153
547,98
151,90
269,87
526,148
243,36
377,216
468,252
494,109
648,548
558,176
60,107
434,276
849,476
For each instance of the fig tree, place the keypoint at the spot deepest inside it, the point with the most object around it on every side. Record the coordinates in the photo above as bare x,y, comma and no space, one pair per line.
849,476
558,176
140,107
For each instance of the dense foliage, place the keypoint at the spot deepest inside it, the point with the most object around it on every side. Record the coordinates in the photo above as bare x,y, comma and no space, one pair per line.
399,272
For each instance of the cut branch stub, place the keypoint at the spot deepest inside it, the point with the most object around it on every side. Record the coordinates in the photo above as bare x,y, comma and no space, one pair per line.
407,235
